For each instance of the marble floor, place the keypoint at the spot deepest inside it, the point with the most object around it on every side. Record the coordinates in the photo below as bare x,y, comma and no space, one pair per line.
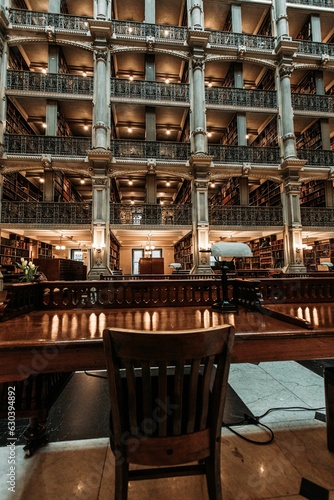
295,465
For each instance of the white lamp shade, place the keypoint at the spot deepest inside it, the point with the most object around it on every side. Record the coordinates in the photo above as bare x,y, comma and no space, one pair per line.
231,249
175,265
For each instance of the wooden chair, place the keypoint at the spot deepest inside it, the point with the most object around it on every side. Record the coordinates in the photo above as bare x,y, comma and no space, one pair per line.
167,396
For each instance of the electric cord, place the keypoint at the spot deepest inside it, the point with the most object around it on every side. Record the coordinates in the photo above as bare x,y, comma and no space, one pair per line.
255,420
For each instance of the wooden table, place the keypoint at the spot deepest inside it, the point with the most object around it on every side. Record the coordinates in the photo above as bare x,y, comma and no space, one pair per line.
52,341
71,340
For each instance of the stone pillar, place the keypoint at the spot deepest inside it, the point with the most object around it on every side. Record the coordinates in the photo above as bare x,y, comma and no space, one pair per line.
244,190
101,102
48,186
54,6
150,11
198,139
200,215
285,50
195,15
3,78
294,259
101,9
100,223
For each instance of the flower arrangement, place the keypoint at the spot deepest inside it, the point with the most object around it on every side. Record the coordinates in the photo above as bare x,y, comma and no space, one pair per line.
29,269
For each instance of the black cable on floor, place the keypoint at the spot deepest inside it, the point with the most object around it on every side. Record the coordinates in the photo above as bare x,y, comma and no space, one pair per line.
250,420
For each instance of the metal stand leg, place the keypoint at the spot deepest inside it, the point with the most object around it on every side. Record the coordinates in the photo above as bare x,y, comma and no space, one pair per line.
329,396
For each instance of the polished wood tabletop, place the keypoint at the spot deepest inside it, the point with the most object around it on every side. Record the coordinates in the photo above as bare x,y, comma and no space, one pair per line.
70,340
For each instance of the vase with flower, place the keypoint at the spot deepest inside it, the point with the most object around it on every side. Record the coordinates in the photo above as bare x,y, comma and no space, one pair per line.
29,270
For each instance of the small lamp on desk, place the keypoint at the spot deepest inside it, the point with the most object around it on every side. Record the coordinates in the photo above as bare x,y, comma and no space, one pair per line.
225,252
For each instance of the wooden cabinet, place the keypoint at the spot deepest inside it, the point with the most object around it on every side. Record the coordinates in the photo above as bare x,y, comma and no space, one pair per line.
12,249
61,269
151,265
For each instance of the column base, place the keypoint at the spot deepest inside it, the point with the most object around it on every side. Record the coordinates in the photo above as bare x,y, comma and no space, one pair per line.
95,273
201,269
296,268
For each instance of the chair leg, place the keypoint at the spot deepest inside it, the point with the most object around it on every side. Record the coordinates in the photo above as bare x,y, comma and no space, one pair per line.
213,478
121,480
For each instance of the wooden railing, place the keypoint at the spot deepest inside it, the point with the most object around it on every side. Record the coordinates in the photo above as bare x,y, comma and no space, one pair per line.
284,290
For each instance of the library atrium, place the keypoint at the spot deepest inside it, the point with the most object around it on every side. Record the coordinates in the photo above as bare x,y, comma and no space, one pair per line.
127,125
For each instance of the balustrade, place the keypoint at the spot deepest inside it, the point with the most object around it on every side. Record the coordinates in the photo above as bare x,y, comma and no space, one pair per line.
95,294
56,83
22,17
142,30
178,215
172,92
32,212
40,145
151,149
241,97
315,3
321,217
231,215
313,103
315,48
240,40
241,154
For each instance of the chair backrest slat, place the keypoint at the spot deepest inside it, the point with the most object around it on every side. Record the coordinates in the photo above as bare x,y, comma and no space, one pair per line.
131,400
161,411
206,382
147,397
178,397
192,401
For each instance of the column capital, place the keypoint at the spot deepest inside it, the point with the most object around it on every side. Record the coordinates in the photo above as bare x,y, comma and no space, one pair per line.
292,166
99,157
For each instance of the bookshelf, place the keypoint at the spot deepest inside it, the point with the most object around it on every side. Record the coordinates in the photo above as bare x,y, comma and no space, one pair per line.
230,134
114,253
268,194
312,194
310,138
183,251
268,136
64,190
16,187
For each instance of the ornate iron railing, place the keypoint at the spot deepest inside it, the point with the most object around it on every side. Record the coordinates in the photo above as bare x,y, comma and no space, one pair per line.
316,48
155,91
313,103
22,17
315,3
56,83
139,215
321,217
241,154
32,212
223,215
39,145
318,157
30,145
151,149
241,97
241,41
131,29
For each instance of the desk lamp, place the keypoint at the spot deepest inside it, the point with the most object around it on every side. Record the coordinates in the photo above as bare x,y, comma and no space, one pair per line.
225,252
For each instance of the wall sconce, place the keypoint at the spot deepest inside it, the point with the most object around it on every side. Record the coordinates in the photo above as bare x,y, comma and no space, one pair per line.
304,246
97,247
130,129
